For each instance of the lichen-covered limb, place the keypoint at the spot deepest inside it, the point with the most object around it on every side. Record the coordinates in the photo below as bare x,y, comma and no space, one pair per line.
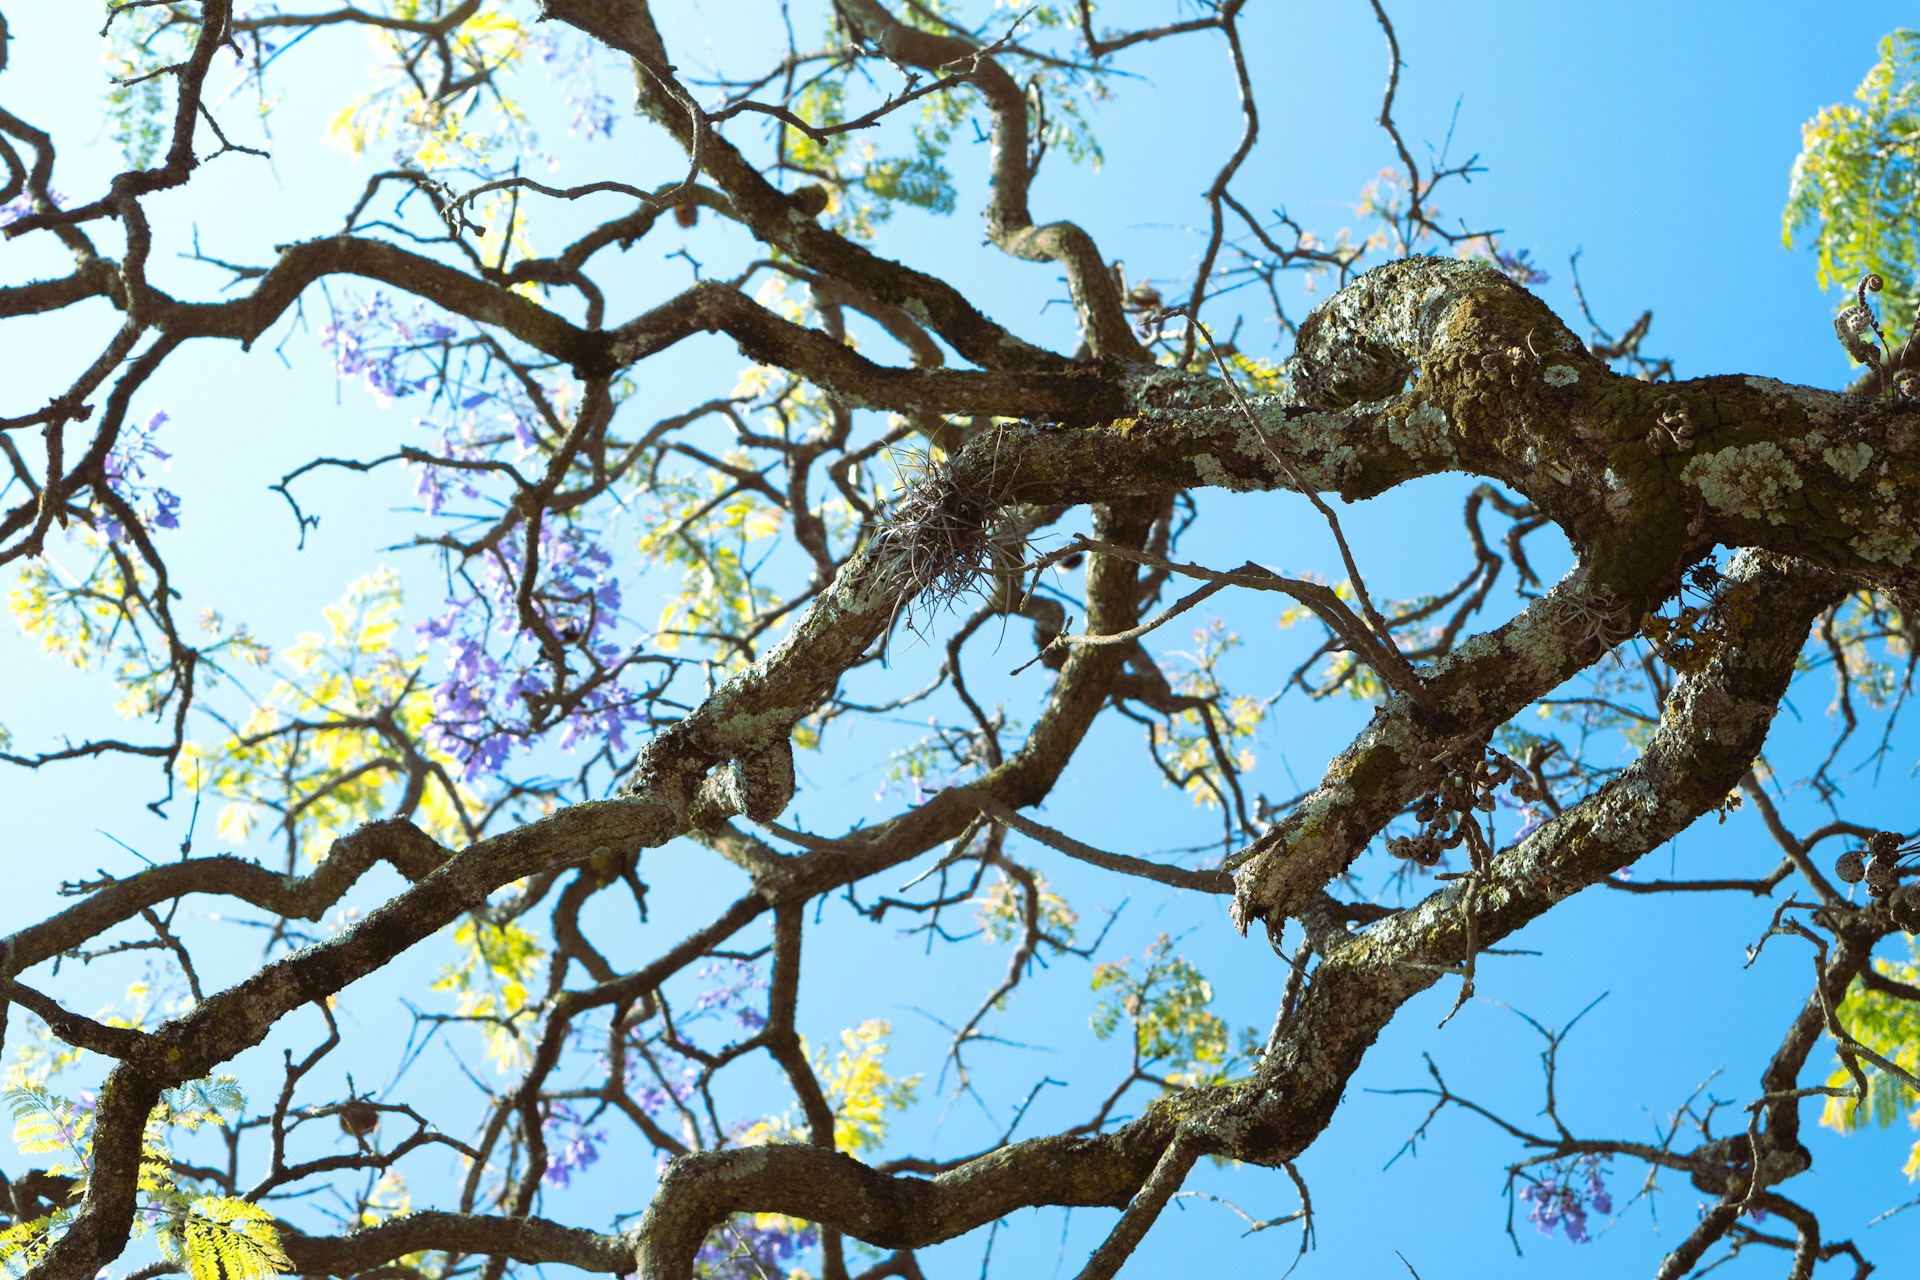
1715,724
700,1191
1404,751
533,1240
1642,477
225,1024
1712,727
1078,392
739,721
404,846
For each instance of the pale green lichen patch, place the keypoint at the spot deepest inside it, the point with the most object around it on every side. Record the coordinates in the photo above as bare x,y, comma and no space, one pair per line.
1887,543
1848,461
1207,469
758,726
1421,432
1746,480
1560,375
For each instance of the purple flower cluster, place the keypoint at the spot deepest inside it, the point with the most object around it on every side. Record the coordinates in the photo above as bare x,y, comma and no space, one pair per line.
434,484
375,339
572,65
502,686
22,205
126,466
744,1250
571,1146
734,984
655,1098
1563,1194
484,707
1519,269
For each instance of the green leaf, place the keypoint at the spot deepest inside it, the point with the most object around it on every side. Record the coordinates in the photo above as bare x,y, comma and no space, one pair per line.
226,1238
44,1124
1855,183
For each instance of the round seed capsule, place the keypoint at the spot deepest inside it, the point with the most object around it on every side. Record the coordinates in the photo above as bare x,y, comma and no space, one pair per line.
1881,877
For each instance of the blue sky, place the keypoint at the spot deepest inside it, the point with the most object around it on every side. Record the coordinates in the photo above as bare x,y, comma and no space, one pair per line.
1656,139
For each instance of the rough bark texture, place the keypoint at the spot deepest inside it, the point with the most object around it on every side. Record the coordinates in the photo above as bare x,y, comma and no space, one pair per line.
1423,366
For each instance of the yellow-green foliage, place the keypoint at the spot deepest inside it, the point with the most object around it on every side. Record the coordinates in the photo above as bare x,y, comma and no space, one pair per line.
432,134
1890,1027
214,1237
1856,180
1177,1038
491,981
225,1238
859,1092
138,44
83,616
323,750
1182,745
709,535
1002,909
867,180
44,1124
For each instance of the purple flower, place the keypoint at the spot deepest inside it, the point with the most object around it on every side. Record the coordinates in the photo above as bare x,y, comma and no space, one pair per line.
1519,269
1562,1195
22,205
126,467
744,1249
497,676
577,1147
359,346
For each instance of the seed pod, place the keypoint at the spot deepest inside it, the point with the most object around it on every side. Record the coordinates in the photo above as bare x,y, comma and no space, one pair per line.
358,1119
811,200
1850,866
1880,877
686,213
1883,844
1850,327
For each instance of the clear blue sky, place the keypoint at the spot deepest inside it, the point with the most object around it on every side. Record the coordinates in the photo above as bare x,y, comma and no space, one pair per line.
1656,138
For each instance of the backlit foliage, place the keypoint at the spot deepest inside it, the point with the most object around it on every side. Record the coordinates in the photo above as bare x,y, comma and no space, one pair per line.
212,1237
1163,1000
1890,1026
686,463
1857,179
343,729
490,982
859,1091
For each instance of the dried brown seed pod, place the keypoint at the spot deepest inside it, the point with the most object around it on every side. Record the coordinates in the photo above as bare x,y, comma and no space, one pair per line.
358,1119
1883,844
810,200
